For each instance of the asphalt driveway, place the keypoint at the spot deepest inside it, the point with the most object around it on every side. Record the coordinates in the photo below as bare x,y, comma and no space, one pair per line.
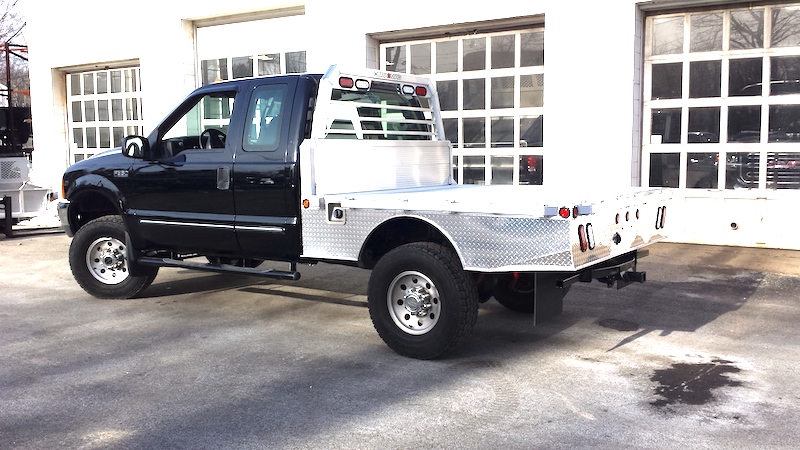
703,355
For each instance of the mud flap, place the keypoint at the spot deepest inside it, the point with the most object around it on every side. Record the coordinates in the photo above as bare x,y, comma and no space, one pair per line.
548,298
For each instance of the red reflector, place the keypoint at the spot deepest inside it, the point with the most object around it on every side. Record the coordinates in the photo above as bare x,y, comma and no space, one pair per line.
564,212
421,91
346,83
574,212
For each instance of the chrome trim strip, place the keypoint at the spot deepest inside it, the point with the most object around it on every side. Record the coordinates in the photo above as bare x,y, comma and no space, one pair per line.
186,224
267,229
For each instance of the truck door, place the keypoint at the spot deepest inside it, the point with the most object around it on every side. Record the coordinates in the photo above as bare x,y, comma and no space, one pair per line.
262,178
180,196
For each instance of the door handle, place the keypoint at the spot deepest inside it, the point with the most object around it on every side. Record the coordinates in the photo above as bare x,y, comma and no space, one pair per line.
223,178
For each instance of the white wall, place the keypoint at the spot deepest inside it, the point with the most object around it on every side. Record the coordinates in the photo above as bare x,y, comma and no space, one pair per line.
590,63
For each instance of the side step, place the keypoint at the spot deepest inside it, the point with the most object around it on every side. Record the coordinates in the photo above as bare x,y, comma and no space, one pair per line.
291,275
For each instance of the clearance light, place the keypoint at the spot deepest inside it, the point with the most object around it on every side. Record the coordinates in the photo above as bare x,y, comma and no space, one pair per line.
627,216
346,82
362,84
582,238
564,212
616,219
421,91
637,214
574,212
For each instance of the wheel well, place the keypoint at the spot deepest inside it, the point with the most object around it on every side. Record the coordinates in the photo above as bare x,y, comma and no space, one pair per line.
396,232
89,206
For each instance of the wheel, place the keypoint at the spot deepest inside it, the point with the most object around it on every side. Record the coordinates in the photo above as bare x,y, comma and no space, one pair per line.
421,302
251,263
98,258
515,292
214,138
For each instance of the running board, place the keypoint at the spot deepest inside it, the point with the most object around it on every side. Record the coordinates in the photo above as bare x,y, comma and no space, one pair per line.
291,275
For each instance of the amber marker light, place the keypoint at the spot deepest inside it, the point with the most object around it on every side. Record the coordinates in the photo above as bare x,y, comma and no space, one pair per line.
306,203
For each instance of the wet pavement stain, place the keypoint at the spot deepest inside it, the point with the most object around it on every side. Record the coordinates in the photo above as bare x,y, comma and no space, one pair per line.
692,384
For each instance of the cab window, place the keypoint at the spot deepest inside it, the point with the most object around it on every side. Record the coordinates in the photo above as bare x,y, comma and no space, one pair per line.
265,118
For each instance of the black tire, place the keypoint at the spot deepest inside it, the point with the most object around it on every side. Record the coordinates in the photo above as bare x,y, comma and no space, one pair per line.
515,292
98,258
421,302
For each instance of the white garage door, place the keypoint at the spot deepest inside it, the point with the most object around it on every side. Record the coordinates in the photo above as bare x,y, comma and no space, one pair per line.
722,121
491,92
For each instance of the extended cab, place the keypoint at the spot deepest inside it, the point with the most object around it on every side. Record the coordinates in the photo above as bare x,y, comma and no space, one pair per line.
350,168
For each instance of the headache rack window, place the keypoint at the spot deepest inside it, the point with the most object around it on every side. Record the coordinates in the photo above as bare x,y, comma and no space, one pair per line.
380,113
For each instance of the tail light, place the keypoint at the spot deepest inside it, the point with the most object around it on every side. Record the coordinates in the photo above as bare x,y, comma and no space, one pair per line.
582,238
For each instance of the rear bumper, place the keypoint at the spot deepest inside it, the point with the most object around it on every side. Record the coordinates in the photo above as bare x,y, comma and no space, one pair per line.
620,270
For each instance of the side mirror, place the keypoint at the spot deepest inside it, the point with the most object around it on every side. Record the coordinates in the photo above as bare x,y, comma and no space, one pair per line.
135,146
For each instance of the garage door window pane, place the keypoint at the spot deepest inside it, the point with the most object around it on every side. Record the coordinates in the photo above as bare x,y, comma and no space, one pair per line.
502,132
706,32
703,125
421,59
448,95
668,35
396,58
242,67
667,80
75,84
785,77
88,83
744,124
474,170
446,56
530,169
105,137
474,132
741,171
451,131
705,79
295,62
474,94
213,70
747,29
502,169
269,64
503,92
102,110
531,131
783,170
531,91
77,136
664,169
745,77
102,82
665,126
701,170
89,112
531,49
786,27
784,123
475,54
91,137
77,112
503,49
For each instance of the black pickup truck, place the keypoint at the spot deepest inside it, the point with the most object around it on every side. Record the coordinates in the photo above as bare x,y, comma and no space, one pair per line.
350,168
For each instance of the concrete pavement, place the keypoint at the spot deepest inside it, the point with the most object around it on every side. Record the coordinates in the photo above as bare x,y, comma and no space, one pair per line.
703,355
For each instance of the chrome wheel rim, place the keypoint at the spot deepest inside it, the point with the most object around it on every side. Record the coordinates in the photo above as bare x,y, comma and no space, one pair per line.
414,303
106,260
